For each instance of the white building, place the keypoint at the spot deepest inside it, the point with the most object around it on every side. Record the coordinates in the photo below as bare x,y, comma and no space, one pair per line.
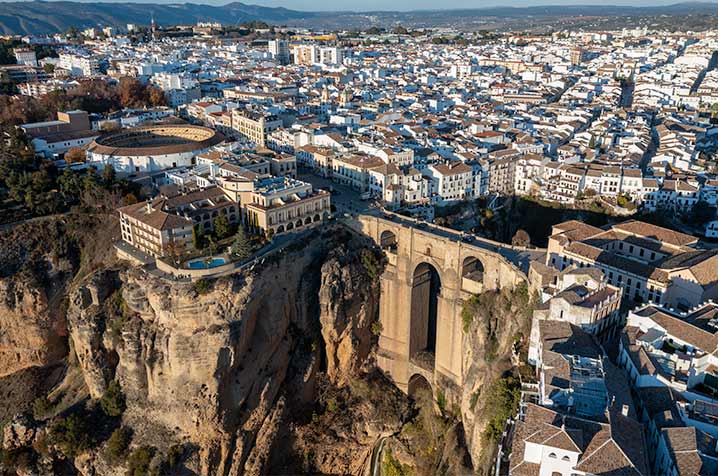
79,65
25,56
279,49
451,181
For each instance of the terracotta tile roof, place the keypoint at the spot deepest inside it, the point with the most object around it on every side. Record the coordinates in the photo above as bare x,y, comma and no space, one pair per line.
564,338
453,168
154,217
661,404
681,328
614,448
686,447
656,232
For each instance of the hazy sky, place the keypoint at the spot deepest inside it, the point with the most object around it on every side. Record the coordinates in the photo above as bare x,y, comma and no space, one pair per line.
367,5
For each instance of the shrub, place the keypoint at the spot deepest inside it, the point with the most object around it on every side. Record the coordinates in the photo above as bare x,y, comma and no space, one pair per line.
474,399
18,460
441,400
174,455
138,463
373,265
40,407
392,466
376,328
201,286
492,348
521,238
71,435
468,311
118,444
113,401
504,395
118,313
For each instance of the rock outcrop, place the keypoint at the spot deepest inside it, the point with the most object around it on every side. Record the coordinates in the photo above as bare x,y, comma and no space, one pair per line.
218,368
33,322
499,321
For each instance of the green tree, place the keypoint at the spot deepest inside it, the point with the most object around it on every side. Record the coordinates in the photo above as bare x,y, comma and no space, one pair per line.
201,286
221,227
197,238
71,435
118,444
113,401
108,174
174,455
240,246
138,463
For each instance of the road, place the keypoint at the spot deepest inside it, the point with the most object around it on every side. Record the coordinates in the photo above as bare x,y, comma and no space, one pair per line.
344,198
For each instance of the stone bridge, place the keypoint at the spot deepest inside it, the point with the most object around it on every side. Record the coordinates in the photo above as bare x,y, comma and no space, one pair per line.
431,271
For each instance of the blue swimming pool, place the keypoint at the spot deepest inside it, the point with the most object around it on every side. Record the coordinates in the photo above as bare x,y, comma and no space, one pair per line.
202,264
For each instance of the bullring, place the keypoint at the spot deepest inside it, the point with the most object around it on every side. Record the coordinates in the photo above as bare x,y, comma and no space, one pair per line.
151,148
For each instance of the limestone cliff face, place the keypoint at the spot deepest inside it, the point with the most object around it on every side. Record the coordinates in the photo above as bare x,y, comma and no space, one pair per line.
33,331
38,263
498,321
349,304
34,274
219,369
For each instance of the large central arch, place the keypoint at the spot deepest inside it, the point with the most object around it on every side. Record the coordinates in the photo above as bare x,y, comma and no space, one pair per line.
425,291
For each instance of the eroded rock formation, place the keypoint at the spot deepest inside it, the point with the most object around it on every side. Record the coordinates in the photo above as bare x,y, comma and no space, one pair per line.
219,368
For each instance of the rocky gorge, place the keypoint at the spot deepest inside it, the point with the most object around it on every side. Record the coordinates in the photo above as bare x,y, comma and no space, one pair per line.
110,369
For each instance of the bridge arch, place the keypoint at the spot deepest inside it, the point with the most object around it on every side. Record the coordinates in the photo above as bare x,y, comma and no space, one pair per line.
418,384
425,292
473,268
425,282
388,240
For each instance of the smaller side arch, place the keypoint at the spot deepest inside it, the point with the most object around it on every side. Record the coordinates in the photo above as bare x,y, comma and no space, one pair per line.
472,268
418,385
388,241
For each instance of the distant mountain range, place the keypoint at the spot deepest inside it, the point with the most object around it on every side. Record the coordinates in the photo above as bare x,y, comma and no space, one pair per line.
39,17
52,17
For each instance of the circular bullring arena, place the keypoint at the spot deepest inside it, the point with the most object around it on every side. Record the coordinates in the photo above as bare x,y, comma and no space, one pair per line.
151,148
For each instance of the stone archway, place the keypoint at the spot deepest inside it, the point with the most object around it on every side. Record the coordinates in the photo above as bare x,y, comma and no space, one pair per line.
387,240
472,268
418,384
472,275
425,290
